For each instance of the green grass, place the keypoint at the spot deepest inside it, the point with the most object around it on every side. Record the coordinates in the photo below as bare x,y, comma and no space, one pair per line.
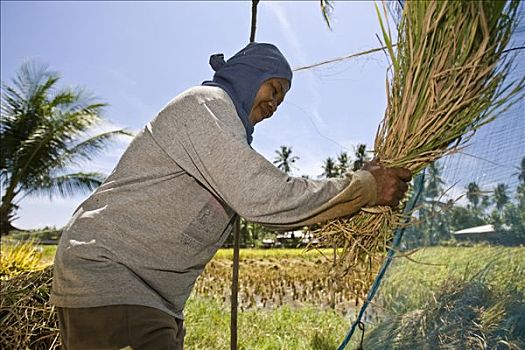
208,327
48,233
409,285
48,254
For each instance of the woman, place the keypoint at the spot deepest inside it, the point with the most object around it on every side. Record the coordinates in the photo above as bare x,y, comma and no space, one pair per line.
129,257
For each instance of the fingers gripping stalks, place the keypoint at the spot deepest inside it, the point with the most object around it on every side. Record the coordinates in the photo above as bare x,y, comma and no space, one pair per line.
391,183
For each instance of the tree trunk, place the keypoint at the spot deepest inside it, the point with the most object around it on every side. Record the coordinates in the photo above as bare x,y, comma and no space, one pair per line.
5,222
7,214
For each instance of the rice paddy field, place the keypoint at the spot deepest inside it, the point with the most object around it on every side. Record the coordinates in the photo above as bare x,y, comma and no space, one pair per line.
288,300
281,290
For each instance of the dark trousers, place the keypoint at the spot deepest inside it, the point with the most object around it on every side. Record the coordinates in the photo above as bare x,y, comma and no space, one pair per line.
119,327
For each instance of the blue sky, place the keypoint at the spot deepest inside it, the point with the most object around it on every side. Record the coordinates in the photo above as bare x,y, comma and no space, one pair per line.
137,56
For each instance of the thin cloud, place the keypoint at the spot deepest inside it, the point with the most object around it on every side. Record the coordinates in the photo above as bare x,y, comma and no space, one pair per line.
279,11
122,78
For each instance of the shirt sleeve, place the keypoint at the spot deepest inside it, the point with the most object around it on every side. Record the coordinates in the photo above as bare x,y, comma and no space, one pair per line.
206,138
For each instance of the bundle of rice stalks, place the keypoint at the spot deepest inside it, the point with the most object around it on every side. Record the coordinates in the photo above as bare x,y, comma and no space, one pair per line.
447,79
28,320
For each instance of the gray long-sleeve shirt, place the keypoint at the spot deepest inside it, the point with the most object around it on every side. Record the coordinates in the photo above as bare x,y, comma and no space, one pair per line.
144,236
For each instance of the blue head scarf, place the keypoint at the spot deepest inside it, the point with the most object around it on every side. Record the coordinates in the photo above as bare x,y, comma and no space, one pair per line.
242,75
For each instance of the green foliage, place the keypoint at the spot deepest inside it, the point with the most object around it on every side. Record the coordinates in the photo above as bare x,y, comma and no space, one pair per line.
329,168
500,196
284,159
433,183
43,133
432,226
473,194
463,217
343,163
44,234
18,257
360,157
251,235
437,220
509,215
510,222
521,174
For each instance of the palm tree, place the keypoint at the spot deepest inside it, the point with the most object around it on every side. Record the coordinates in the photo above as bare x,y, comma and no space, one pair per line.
284,159
521,174
473,194
329,168
360,157
40,132
433,182
500,196
343,163
485,203
433,190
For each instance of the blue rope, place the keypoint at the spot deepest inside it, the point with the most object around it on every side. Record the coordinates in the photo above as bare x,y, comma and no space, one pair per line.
395,243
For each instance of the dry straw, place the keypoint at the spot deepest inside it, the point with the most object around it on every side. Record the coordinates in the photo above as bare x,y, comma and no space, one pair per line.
448,77
28,320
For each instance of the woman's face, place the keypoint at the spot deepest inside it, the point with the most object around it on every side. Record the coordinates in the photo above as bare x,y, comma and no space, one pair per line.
270,95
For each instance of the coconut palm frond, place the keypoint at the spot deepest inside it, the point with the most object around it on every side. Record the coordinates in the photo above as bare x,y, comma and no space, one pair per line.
284,159
91,147
41,126
50,141
327,7
66,185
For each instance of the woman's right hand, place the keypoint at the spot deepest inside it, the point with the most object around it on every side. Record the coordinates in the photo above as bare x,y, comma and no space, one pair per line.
391,183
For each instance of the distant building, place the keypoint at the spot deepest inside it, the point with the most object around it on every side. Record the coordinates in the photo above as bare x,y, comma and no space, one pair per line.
267,243
290,239
484,233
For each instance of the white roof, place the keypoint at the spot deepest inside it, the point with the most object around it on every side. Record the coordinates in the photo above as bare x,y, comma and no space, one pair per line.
477,229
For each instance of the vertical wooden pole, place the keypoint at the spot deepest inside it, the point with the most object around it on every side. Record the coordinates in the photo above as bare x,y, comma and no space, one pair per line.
254,20
332,279
235,283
